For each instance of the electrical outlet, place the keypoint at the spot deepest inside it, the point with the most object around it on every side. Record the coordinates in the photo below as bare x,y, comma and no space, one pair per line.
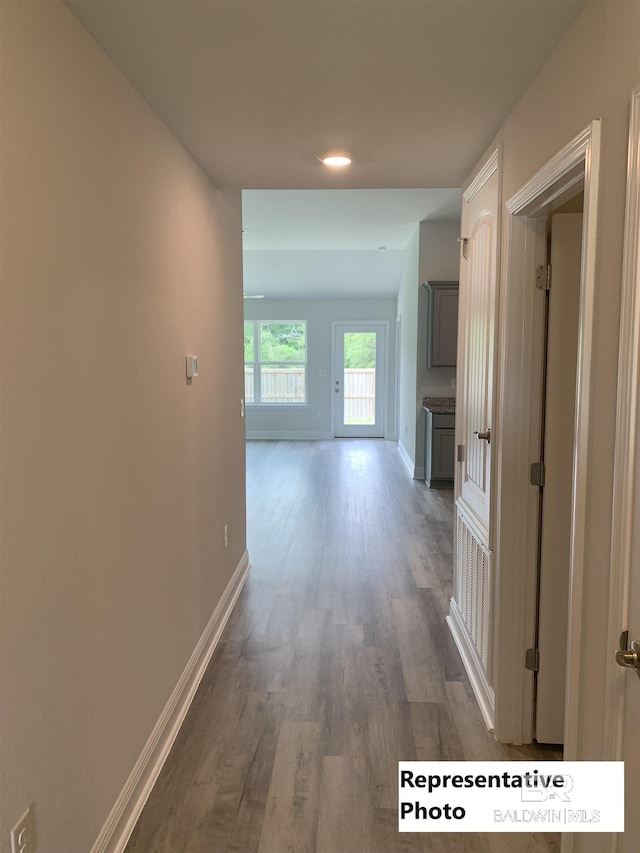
23,834
226,536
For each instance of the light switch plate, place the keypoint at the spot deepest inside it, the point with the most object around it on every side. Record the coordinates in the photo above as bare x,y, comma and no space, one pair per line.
192,366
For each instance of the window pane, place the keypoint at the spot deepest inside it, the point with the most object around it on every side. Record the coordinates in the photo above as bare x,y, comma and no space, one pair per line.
360,378
248,384
249,348
282,384
282,342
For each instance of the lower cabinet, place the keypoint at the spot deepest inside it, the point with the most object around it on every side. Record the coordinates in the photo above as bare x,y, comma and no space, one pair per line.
439,448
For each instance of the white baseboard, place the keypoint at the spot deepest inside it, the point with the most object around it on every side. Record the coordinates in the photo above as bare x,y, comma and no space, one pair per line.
473,665
408,461
119,825
288,435
419,473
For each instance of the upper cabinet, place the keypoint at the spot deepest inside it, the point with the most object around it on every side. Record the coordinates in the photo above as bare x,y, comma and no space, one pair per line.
442,323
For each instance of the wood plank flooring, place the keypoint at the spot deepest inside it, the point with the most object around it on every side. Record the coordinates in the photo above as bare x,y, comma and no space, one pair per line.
335,664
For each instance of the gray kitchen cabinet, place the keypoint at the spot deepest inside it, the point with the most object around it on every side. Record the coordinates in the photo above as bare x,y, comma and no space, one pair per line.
439,448
442,323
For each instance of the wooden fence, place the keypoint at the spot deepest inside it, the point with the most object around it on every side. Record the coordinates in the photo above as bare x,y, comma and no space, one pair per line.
287,385
360,395
277,385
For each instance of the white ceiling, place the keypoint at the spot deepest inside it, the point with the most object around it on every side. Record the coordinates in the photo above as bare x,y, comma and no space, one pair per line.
341,219
309,242
257,89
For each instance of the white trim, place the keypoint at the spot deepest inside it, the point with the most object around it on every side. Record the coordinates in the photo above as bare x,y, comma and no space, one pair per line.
408,461
289,435
472,664
258,407
492,165
576,665
517,502
627,418
118,827
556,175
419,473
396,388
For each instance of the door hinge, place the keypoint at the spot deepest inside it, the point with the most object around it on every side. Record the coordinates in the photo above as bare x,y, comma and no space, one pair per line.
537,474
532,659
465,246
543,277
461,453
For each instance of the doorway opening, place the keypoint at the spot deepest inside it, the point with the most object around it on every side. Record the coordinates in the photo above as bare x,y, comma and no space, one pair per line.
559,282
571,171
359,379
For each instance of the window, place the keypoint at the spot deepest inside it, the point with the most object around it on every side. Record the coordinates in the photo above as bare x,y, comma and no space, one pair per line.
275,362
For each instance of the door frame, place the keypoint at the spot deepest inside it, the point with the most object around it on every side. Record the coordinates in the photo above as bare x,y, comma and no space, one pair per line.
517,435
626,449
335,325
556,451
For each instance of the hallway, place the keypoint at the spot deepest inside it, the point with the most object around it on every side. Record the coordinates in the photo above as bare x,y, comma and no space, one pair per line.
335,664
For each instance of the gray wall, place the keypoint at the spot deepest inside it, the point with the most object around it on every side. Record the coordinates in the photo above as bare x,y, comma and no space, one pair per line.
439,261
432,253
313,420
118,259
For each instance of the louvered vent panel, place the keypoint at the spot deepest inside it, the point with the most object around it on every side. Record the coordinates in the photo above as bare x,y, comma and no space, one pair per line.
472,588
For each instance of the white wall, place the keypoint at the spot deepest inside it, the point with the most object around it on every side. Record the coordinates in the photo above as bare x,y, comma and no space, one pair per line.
118,258
590,75
407,311
304,421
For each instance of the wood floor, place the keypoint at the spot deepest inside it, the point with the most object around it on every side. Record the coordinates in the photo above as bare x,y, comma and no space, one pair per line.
335,664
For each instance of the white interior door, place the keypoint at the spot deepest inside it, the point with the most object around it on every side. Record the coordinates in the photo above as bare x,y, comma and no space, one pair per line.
622,711
630,740
359,379
558,441
470,616
476,357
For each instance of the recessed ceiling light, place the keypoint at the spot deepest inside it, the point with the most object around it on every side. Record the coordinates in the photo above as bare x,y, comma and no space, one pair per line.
382,248
336,159
253,295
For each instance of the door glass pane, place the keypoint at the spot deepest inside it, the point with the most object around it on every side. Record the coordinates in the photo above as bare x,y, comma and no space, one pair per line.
359,378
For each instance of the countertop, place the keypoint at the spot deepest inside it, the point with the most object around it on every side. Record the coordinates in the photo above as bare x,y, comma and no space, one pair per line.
440,405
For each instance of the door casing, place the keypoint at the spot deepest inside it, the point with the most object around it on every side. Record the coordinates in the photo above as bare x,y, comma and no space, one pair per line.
626,450
517,435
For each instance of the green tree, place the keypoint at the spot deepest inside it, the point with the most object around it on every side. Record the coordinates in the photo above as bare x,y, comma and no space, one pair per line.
282,342
360,349
248,342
